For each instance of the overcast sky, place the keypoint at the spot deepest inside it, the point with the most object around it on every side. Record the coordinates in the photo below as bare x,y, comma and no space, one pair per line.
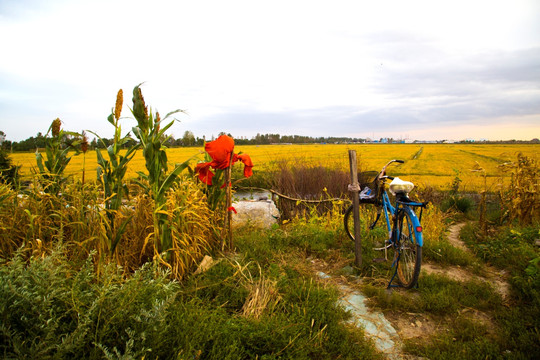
403,69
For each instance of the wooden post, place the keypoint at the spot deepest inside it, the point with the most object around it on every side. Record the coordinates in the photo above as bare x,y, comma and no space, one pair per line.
228,202
354,187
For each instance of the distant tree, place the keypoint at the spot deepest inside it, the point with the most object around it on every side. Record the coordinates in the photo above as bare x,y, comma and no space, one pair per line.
30,144
4,143
188,139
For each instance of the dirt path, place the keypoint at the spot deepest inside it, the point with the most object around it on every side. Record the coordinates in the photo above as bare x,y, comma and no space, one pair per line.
453,236
497,278
389,330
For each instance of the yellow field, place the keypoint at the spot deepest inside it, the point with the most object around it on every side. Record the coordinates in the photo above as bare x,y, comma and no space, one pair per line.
425,164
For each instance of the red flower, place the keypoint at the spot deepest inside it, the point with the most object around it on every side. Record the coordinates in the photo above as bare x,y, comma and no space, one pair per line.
231,208
205,175
248,164
220,150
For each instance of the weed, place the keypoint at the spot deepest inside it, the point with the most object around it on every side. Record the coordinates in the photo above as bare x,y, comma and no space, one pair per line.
521,197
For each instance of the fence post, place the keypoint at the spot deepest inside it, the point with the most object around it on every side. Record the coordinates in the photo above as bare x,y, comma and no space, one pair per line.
354,187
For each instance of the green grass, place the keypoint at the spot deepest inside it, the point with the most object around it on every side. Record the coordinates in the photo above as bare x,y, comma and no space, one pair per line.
515,251
442,252
466,339
52,309
436,295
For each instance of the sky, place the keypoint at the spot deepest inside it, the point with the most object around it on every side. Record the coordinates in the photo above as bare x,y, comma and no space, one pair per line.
407,69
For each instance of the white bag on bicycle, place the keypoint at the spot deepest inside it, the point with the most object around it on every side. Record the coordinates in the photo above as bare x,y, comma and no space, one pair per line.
367,194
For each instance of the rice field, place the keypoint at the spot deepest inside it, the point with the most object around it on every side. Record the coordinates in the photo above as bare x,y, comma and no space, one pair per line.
433,165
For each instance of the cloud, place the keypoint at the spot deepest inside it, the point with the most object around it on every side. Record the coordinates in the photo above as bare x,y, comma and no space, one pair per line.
346,68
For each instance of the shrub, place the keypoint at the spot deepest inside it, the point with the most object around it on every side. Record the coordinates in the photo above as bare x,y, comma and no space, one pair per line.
457,203
50,309
9,173
307,182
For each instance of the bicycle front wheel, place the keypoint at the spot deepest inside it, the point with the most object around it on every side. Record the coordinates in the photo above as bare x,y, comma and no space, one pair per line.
409,254
368,214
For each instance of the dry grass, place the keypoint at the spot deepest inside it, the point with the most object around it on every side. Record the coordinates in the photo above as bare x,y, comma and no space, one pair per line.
263,293
36,221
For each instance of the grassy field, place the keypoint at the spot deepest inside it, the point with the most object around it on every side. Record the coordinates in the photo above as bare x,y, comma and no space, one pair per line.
433,165
265,301
80,280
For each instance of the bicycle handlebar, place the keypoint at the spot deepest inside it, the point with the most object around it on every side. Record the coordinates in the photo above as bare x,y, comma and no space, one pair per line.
383,171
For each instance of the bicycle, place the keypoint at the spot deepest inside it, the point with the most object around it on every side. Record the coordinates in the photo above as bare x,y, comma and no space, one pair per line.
404,228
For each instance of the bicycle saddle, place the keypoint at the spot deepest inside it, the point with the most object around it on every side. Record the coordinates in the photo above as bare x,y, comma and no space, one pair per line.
398,186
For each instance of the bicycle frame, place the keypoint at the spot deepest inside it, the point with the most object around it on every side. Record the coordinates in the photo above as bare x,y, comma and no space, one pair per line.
388,208
394,229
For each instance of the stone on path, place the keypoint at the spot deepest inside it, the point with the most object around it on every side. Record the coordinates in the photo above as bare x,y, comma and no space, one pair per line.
375,325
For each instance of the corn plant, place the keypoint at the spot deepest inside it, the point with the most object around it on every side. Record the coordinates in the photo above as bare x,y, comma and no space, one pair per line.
152,138
111,174
51,170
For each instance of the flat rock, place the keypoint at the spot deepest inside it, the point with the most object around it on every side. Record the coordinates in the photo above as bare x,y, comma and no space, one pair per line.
261,214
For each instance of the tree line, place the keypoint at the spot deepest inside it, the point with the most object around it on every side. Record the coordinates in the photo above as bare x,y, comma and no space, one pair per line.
188,139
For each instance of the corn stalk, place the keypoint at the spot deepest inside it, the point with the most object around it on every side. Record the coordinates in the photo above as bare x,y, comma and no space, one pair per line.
111,174
152,139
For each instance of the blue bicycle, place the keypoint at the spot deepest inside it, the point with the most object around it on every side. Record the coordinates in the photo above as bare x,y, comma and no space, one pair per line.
403,226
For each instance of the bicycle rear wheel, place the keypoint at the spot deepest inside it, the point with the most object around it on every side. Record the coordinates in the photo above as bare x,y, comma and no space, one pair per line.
409,252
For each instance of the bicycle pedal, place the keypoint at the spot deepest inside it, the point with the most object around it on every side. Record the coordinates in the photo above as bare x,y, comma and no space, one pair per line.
379,260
